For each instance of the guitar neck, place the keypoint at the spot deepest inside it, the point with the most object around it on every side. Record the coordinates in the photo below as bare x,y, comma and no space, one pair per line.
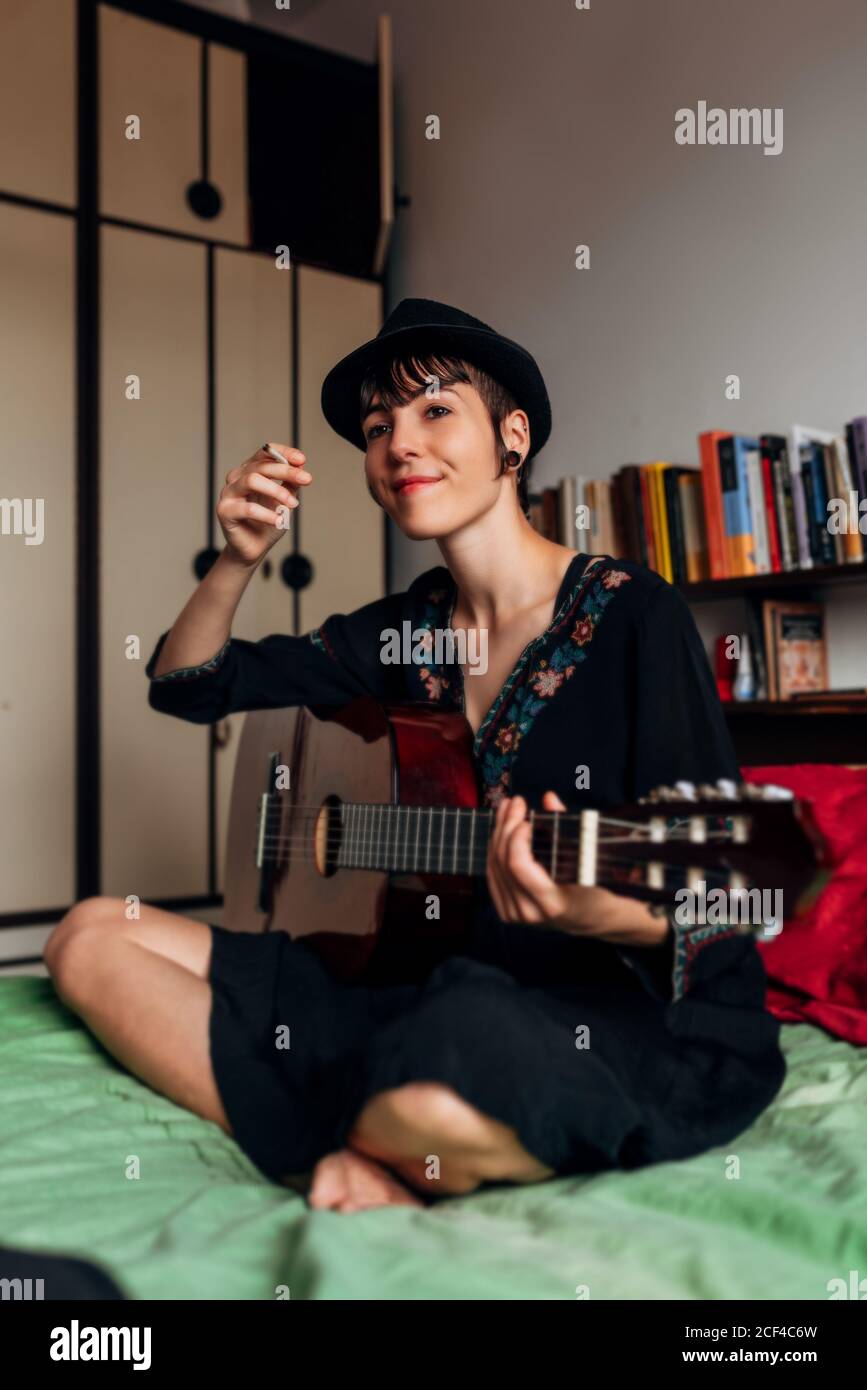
448,840
650,850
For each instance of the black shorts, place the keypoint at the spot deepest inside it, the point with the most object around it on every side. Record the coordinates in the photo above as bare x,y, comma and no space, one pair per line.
567,1047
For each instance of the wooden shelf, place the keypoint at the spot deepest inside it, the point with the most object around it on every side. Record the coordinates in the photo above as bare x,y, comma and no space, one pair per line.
796,708
765,732
785,581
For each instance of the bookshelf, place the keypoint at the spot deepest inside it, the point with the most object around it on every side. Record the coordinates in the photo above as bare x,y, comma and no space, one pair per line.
784,581
794,731
763,731
791,731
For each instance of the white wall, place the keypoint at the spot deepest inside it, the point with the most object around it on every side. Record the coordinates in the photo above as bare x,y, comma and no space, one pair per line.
558,128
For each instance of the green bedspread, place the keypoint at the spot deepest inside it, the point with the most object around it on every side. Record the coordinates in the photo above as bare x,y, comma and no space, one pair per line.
200,1221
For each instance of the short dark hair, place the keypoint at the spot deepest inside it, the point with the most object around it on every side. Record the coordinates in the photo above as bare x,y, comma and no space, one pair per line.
395,381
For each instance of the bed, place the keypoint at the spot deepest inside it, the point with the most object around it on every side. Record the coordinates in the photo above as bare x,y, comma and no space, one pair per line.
201,1222
777,1214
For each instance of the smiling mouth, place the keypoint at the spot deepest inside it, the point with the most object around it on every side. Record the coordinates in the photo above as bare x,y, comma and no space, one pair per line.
416,485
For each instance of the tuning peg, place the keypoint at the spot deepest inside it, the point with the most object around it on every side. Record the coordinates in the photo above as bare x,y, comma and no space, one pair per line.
686,790
708,792
727,788
748,791
770,792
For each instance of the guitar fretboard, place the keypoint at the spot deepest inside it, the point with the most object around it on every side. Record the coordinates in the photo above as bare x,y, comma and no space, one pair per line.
441,839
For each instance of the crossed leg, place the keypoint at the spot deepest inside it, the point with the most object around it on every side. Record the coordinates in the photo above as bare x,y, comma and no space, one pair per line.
141,987
433,1139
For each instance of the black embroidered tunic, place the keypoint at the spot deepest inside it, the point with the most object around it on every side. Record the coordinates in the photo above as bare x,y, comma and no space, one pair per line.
598,1056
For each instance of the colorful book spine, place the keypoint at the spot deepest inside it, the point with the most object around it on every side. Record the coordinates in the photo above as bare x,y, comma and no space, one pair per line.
733,455
708,446
664,566
770,510
799,501
775,450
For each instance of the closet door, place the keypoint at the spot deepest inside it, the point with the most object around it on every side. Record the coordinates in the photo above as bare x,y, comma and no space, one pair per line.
38,111
37,561
154,73
153,521
253,393
341,529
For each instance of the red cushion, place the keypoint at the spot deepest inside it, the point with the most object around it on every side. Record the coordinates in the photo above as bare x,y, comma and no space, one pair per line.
817,966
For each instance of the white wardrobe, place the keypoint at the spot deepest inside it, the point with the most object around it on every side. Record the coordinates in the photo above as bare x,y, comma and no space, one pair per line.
206,347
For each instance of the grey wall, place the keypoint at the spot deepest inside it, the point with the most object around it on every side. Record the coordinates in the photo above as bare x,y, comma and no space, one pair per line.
557,129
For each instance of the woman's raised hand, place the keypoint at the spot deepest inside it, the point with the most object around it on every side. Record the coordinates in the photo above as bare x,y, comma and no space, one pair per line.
254,506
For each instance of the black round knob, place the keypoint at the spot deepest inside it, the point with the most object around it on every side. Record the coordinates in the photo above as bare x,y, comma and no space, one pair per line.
204,560
204,198
296,571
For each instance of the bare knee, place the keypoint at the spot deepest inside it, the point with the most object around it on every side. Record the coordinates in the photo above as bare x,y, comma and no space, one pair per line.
76,935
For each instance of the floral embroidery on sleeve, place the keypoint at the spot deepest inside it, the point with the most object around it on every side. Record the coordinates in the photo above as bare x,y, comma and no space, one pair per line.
186,673
319,638
688,943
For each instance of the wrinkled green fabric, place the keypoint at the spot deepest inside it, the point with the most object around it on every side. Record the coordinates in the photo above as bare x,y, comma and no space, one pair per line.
201,1222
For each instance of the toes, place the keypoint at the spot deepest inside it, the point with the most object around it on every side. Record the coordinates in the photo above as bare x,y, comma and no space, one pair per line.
349,1182
329,1185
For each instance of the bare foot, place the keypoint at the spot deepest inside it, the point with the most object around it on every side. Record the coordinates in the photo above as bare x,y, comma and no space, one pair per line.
347,1181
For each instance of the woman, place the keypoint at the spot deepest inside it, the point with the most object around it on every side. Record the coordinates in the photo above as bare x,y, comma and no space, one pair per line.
578,1030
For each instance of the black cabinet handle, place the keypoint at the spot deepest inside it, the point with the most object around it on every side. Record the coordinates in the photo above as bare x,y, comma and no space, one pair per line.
205,199
205,559
296,571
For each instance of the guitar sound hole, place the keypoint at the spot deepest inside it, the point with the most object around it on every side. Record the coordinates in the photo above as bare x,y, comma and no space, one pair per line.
327,836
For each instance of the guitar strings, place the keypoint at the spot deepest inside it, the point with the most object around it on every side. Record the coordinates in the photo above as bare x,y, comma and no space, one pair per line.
359,838
314,811
305,849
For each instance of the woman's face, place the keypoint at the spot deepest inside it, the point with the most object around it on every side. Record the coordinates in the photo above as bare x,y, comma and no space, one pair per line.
433,462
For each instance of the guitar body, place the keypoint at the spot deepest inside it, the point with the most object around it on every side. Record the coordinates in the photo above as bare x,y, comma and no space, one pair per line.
359,920
357,829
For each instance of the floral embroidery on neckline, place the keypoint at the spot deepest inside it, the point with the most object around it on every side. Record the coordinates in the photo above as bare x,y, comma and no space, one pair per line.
520,701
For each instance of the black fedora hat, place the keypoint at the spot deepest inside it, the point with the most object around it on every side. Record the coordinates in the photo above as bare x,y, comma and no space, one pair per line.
425,324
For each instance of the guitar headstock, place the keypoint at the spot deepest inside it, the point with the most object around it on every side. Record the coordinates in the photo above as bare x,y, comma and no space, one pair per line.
734,837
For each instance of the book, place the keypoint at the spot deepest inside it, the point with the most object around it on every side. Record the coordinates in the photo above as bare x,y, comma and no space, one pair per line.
737,523
708,447
674,518
771,523
774,447
566,529
858,428
756,636
647,513
810,497
796,648
694,536
758,520
853,540
833,491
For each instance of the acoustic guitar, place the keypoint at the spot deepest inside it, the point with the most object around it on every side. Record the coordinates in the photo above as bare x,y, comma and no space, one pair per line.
344,821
